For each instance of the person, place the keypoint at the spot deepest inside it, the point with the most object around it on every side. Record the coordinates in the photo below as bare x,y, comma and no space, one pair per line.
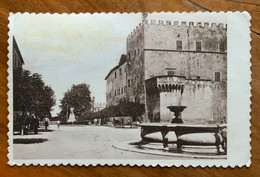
46,122
35,124
26,124
58,124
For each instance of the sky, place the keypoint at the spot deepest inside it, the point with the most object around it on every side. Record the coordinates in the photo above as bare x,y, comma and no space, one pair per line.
83,48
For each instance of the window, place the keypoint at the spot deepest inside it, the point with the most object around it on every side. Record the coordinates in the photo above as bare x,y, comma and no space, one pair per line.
115,74
198,46
125,89
115,92
129,55
120,71
217,76
132,81
170,72
222,47
118,91
129,84
179,45
122,91
198,77
109,95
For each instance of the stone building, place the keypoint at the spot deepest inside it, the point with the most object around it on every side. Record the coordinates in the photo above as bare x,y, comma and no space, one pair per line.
116,82
170,64
18,63
17,57
98,107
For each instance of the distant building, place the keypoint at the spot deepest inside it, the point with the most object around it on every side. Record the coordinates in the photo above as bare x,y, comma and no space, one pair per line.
98,107
171,64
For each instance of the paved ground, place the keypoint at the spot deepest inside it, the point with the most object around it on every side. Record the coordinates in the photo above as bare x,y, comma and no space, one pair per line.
188,152
78,142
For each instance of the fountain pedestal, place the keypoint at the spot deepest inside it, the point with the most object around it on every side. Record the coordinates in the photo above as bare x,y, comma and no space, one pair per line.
177,110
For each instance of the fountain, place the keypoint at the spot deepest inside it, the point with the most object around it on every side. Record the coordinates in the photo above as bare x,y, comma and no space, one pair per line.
177,133
177,110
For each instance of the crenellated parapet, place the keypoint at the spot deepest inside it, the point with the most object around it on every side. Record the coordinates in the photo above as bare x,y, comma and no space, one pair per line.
160,84
135,32
139,28
184,23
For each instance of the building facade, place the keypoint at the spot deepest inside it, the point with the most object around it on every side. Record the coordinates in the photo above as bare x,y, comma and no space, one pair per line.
18,63
98,106
171,63
17,57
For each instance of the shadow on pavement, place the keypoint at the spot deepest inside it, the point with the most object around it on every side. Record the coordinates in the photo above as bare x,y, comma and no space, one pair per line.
29,140
43,130
138,144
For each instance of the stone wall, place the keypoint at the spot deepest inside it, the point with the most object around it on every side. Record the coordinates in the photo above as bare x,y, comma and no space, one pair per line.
135,66
160,46
116,85
197,96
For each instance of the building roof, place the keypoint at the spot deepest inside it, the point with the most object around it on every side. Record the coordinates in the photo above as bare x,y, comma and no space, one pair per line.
121,62
17,49
122,59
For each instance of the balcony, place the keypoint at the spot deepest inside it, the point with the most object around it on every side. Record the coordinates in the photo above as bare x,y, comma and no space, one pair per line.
165,83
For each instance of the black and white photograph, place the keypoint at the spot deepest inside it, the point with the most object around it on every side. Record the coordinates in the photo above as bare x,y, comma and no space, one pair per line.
150,87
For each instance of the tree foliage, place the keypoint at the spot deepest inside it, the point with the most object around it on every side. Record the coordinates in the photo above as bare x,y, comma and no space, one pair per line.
78,97
123,108
132,109
31,94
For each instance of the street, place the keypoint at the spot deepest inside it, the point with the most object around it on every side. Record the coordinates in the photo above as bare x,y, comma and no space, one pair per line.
78,142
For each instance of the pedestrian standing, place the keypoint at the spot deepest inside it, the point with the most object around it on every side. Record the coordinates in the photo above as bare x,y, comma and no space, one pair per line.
35,124
58,124
26,124
46,122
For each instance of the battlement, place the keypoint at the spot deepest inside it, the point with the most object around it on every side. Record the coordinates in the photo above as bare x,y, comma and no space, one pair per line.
100,104
139,28
184,23
135,32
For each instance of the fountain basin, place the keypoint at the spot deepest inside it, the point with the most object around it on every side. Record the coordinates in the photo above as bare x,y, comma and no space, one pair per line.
177,110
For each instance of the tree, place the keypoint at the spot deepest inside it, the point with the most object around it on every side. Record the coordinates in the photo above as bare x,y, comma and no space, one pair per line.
31,94
123,108
132,109
78,97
